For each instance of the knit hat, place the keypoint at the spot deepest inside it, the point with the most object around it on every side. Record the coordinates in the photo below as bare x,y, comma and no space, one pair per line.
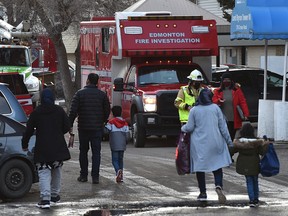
205,97
47,97
226,75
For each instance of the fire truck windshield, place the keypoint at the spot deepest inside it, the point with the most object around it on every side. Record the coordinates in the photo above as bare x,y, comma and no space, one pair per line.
14,57
165,75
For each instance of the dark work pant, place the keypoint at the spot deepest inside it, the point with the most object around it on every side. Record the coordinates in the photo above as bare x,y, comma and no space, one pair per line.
232,131
92,138
218,179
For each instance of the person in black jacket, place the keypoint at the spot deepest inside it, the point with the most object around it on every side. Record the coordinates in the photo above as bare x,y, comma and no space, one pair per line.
92,108
51,123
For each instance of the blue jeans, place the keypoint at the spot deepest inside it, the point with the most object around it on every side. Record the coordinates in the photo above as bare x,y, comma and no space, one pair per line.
117,160
94,138
252,187
218,179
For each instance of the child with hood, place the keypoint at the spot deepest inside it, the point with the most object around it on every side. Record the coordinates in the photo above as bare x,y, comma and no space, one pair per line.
250,148
50,123
118,138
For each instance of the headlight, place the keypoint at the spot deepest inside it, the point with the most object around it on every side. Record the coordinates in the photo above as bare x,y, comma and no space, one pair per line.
32,86
149,103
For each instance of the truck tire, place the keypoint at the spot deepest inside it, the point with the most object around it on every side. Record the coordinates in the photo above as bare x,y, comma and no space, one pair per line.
171,140
16,179
138,133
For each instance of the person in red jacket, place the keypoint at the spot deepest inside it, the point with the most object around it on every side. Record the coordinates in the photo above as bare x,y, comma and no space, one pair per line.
228,96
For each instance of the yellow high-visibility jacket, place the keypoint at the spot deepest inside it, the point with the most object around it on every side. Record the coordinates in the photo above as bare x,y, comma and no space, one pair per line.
185,99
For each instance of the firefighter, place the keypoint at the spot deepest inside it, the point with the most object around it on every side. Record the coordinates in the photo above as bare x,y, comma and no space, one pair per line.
188,95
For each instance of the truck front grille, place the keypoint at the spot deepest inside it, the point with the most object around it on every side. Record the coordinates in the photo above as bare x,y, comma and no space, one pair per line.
165,103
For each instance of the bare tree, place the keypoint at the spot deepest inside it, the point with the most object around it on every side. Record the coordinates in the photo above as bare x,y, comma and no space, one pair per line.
54,17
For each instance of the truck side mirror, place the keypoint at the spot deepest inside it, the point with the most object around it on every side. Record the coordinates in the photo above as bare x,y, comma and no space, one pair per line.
215,83
118,84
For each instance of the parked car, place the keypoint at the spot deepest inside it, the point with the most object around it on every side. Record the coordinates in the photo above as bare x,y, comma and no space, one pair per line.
252,84
18,88
17,170
10,106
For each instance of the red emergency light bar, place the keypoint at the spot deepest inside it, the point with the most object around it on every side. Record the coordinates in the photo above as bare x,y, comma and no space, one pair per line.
166,18
102,18
161,53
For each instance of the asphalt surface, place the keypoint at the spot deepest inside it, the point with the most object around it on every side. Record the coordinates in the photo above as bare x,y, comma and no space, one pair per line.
152,187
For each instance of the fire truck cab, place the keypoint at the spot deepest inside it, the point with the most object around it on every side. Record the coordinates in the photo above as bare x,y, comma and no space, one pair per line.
147,56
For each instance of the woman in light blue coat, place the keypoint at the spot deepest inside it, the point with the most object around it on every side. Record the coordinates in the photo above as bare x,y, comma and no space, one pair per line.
208,143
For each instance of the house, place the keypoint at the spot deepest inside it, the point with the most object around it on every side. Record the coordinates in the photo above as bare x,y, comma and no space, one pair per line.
243,52
70,39
246,52
181,8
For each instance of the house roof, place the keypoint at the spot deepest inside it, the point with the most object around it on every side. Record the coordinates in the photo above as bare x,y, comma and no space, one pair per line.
177,8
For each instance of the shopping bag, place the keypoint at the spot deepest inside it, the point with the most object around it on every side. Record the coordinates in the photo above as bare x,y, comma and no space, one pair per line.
182,156
269,163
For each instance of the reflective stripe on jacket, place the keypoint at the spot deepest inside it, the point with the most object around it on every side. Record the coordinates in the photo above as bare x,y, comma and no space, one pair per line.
188,100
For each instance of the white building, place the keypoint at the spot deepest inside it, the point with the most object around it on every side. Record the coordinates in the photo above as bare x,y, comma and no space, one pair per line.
242,52
245,52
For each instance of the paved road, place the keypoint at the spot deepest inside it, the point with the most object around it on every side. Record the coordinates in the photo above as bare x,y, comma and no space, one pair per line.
152,187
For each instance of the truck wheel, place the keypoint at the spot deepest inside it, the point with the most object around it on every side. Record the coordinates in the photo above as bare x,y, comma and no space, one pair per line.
138,133
16,179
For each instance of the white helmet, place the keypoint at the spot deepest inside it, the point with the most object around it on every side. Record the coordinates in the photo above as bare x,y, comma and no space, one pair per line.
195,75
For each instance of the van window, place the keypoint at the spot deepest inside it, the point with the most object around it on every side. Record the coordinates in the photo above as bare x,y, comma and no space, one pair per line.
274,81
8,129
4,106
243,78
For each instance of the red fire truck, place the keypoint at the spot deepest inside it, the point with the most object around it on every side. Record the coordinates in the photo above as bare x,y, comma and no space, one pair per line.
33,57
147,56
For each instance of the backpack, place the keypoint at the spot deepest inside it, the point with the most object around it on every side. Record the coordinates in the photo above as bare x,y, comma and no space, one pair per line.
269,163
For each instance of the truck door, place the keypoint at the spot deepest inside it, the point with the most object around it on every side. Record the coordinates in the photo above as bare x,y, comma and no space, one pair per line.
128,93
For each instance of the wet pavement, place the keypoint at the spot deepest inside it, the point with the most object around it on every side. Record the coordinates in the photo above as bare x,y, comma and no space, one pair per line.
152,187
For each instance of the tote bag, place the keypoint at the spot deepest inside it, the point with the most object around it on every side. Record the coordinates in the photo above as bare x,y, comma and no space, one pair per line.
269,163
182,154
